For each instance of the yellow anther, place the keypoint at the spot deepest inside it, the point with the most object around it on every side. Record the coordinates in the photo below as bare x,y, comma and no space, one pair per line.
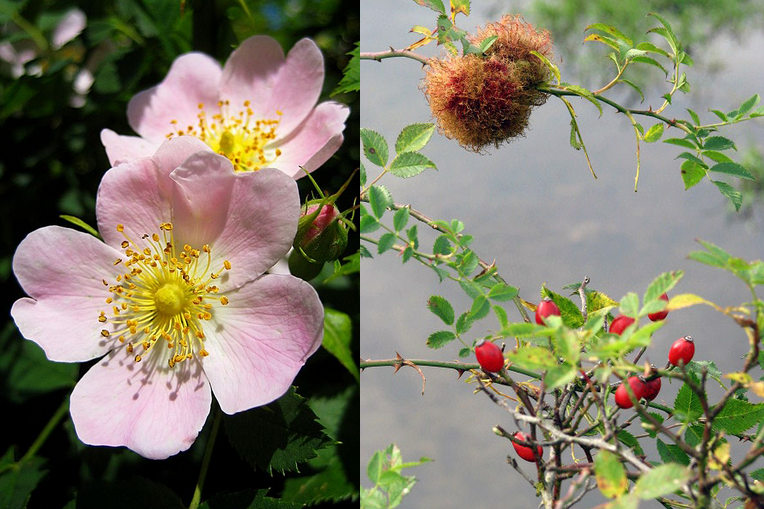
224,300
104,333
227,265
125,244
120,227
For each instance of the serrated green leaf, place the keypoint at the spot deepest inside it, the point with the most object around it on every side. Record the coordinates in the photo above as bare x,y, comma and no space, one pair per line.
733,169
662,284
747,106
374,147
682,142
414,137
662,480
654,133
351,79
463,323
550,65
722,116
648,46
630,441
560,376
694,116
672,453
569,312
650,61
441,308
435,5
692,157
338,336
717,156
583,92
734,196
533,357
758,474
386,242
379,199
649,427
407,254
442,246
486,44
669,32
609,29
610,474
629,305
440,339
687,404
480,308
635,87
287,434
501,315
718,143
738,416
692,173
502,292
410,164
401,218
362,175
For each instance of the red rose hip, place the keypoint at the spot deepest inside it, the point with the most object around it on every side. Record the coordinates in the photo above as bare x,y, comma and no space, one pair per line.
622,396
620,323
546,308
489,356
660,315
651,389
682,351
525,452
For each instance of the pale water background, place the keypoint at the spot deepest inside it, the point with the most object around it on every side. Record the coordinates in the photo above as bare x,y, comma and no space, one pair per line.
534,207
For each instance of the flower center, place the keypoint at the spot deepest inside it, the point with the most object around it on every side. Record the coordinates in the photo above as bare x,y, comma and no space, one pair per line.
162,296
237,135
170,299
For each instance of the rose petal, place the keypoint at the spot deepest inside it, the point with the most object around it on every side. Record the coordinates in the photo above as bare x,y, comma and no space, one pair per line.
122,149
315,141
72,25
138,194
298,85
62,270
147,407
249,219
250,74
192,79
261,340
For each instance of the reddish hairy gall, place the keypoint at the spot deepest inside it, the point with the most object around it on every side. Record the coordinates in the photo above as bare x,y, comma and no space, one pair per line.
546,308
660,315
622,396
620,323
682,351
651,389
525,452
489,356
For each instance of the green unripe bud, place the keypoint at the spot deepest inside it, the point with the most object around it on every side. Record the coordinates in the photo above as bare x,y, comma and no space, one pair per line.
322,234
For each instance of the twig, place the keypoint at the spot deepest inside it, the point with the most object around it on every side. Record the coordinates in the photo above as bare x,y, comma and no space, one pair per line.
392,53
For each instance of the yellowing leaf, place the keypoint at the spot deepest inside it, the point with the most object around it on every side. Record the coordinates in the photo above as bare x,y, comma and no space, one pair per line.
743,378
757,388
458,6
421,42
686,300
720,457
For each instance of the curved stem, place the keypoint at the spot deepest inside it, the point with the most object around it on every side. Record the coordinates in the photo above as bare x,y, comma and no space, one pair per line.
46,431
381,55
217,419
459,366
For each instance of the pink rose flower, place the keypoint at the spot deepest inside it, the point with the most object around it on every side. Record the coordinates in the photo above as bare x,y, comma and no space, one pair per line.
259,110
174,299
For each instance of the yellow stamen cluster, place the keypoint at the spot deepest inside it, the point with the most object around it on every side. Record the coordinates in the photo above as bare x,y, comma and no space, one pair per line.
238,136
162,297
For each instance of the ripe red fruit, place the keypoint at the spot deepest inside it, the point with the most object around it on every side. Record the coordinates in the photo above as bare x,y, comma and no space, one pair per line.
660,315
546,308
651,389
622,396
681,351
620,323
489,356
524,452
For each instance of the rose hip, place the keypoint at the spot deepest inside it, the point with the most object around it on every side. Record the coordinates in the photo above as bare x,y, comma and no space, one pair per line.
546,308
489,356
